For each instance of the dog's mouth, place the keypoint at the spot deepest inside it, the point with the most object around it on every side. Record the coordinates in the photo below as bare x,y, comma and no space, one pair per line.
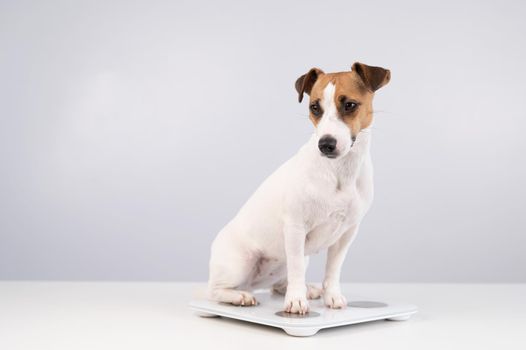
330,155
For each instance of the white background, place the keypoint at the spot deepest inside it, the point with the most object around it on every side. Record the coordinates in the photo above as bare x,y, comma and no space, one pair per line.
131,132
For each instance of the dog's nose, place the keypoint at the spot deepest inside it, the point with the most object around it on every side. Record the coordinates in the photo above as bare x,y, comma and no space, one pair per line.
327,145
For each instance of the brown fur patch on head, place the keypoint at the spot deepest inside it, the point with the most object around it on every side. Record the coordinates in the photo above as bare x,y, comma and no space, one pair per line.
348,88
353,87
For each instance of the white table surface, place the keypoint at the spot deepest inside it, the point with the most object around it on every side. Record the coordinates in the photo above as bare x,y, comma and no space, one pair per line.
130,315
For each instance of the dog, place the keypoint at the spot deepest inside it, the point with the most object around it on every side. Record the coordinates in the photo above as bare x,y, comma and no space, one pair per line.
316,200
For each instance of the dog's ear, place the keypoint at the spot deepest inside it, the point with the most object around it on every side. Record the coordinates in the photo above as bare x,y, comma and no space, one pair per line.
305,83
373,77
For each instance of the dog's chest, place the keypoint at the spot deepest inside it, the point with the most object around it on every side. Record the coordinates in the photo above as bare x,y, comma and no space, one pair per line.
333,215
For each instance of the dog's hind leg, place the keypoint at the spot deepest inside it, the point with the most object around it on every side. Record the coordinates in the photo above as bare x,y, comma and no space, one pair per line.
233,296
280,287
231,268
313,292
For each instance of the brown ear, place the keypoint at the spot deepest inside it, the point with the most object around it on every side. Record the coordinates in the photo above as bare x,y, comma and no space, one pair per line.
373,77
306,82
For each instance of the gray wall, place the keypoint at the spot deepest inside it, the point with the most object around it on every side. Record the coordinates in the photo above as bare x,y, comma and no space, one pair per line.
130,133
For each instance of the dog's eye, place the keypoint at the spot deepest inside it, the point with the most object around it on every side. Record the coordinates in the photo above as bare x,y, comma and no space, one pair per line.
349,106
315,108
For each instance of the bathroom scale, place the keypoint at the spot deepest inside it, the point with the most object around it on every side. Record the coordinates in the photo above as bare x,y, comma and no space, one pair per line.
269,312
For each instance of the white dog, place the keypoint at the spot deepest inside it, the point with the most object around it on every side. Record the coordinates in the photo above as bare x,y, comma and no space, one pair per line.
315,201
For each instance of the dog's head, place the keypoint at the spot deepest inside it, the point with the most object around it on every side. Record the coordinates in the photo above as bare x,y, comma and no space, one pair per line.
341,104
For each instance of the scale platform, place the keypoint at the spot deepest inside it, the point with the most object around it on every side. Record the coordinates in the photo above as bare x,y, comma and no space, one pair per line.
269,312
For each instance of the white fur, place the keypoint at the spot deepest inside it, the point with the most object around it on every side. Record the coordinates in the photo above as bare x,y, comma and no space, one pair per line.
331,124
308,204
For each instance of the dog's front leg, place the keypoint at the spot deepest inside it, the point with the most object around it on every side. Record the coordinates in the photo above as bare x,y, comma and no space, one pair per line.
295,298
332,294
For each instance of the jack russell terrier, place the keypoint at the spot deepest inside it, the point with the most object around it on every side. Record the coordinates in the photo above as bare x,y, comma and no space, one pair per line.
315,201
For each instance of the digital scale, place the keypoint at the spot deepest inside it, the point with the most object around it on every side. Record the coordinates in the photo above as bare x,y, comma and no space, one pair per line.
269,312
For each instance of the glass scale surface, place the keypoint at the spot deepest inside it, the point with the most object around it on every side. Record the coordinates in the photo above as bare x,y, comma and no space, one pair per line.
269,312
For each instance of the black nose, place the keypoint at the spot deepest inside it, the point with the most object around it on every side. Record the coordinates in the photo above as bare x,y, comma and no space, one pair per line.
327,145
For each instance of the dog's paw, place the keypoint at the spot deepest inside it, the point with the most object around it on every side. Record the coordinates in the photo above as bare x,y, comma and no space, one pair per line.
244,299
296,303
334,300
313,292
